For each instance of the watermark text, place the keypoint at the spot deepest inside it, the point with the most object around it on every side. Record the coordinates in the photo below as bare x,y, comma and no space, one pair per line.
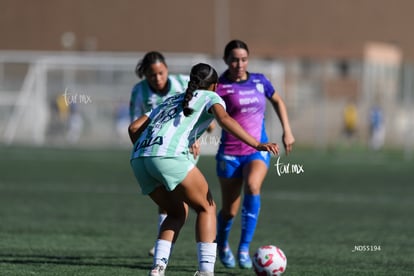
366,248
287,168
76,98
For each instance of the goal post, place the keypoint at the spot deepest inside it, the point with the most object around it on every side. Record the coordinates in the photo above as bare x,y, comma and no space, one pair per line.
81,99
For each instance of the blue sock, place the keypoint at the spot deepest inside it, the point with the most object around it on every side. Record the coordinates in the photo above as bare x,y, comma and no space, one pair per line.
223,231
249,217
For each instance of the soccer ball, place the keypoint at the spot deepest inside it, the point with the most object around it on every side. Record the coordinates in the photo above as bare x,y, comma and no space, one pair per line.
269,260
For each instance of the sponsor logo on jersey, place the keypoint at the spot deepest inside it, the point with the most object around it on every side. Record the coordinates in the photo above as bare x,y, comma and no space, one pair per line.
251,109
245,101
247,92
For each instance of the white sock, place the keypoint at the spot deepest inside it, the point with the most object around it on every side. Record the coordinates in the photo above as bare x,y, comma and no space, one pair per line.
206,252
162,252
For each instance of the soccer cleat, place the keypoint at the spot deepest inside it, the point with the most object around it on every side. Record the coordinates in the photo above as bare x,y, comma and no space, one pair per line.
244,260
157,270
226,257
203,273
151,252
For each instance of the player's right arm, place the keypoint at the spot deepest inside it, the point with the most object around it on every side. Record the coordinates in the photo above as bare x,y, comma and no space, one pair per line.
281,111
137,127
232,126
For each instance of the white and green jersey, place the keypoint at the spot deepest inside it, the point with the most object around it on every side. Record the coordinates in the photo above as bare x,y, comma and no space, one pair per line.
169,132
143,98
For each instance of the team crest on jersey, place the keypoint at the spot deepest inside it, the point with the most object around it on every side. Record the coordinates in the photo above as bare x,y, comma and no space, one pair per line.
260,87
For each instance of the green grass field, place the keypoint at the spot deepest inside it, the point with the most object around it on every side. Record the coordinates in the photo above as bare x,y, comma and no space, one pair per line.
80,212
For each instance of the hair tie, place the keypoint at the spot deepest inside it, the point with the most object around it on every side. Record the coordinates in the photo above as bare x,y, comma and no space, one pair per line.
210,73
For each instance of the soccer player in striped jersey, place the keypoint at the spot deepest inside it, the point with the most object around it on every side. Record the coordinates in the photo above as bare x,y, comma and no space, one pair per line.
156,85
239,166
164,171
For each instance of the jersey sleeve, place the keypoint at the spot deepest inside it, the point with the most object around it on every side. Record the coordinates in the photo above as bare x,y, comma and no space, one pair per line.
268,87
183,80
212,99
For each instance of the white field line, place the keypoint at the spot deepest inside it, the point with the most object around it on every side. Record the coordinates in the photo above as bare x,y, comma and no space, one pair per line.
133,188
51,187
62,157
339,198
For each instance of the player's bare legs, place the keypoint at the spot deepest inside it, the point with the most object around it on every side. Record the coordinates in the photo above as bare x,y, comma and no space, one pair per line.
231,196
254,173
194,191
171,226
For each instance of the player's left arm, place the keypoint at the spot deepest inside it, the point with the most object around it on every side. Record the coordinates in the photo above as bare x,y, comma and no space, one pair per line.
137,127
281,111
211,127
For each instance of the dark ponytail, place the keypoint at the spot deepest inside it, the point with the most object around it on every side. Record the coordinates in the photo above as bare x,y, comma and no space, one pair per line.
149,59
201,77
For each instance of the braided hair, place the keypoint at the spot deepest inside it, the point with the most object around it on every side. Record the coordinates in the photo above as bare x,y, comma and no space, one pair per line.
201,77
149,59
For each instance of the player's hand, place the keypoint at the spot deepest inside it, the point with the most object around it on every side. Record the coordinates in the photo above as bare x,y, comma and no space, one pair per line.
288,141
270,147
195,149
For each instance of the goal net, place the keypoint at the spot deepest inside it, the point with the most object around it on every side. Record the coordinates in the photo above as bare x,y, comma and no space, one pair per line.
82,99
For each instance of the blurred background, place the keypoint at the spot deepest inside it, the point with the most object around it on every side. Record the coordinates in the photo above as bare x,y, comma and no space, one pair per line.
343,68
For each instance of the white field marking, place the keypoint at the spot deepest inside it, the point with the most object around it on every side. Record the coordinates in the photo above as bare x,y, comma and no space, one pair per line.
62,156
355,159
338,198
51,187
133,188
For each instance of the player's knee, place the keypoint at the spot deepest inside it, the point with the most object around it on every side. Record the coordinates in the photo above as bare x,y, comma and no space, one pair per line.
228,214
252,188
207,207
178,212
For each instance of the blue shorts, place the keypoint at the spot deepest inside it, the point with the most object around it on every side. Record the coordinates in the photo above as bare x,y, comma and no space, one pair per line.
231,166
